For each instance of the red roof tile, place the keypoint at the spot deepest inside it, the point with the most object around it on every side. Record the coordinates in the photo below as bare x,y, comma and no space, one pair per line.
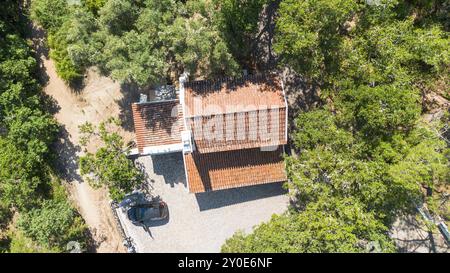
157,123
223,170
236,131
253,92
234,114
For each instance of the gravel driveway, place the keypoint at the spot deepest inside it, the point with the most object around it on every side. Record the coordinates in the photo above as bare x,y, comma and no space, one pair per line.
200,222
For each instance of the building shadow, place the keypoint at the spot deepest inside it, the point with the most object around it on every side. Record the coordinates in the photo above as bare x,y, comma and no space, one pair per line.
216,199
171,167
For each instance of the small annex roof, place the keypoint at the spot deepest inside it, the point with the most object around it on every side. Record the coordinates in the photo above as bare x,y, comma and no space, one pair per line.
157,123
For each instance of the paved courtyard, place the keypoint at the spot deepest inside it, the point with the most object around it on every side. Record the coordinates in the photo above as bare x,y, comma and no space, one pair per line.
200,222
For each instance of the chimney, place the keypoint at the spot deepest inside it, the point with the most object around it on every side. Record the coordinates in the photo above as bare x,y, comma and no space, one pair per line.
182,80
142,98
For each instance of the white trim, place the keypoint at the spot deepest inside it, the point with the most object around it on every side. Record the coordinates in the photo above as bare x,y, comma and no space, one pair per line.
182,94
162,149
133,152
287,110
185,173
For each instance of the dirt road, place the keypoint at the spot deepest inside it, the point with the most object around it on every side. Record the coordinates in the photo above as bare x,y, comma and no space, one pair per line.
99,99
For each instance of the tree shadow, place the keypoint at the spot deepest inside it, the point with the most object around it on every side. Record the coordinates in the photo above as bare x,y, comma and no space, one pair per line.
147,186
66,164
41,51
162,120
301,95
262,46
131,94
49,104
263,82
222,198
78,84
91,244
411,235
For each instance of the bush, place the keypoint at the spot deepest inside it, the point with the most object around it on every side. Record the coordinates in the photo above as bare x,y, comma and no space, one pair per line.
19,243
49,13
53,225
65,67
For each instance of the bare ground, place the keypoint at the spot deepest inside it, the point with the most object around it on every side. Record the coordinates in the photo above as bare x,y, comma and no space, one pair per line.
98,99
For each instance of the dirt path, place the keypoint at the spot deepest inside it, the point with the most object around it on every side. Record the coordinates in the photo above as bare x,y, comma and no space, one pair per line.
99,99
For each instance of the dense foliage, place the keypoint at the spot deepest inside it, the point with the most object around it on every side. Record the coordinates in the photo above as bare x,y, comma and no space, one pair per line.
365,157
53,224
148,42
109,166
27,185
361,159
238,23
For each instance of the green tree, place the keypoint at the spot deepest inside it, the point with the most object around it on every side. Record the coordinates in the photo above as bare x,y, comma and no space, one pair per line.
27,132
380,110
50,14
119,16
329,225
308,34
109,166
93,5
66,68
198,47
140,42
238,23
53,225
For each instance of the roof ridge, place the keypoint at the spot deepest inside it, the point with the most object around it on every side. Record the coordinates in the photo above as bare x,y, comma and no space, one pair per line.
275,107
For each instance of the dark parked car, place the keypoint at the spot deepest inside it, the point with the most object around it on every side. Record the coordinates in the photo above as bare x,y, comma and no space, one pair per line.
140,208
156,210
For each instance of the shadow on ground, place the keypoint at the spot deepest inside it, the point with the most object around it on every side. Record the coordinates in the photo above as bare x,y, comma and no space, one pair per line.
262,45
222,198
41,51
171,167
67,163
130,94
411,235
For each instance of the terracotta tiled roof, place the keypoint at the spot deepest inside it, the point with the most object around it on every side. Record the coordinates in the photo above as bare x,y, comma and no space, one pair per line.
223,170
232,114
236,131
253,92
157,123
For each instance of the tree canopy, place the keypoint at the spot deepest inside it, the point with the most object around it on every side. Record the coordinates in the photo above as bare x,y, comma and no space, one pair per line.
109,166
28,186
146,42
365,157
359,160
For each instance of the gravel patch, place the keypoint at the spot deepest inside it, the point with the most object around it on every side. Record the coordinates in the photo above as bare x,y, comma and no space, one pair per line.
200,222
